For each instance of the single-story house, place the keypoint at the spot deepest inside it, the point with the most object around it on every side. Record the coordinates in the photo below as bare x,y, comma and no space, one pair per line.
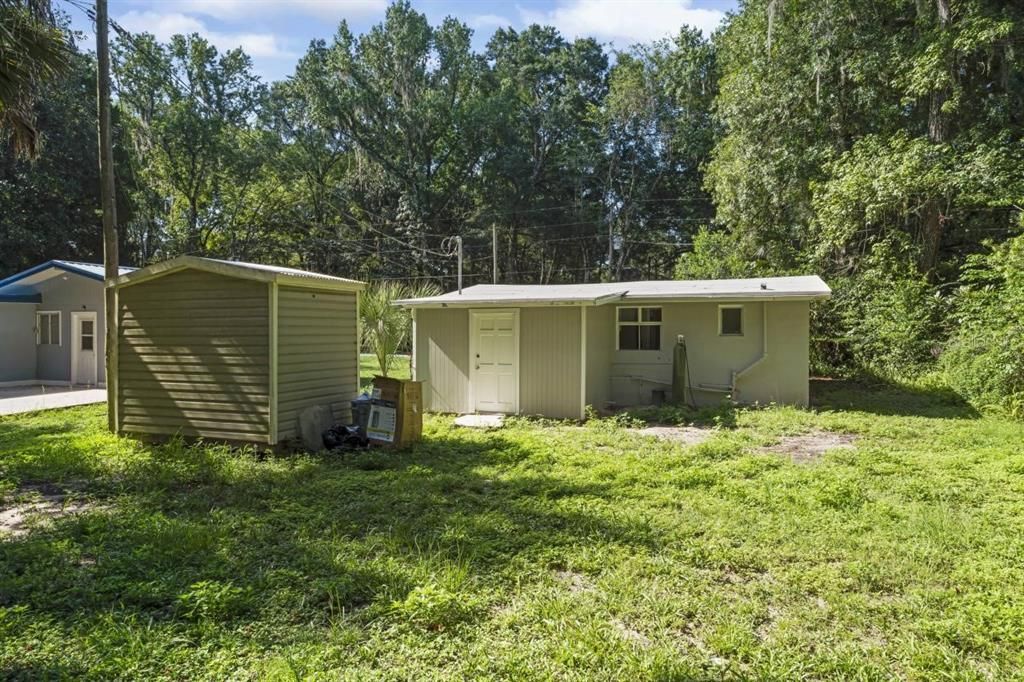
233,351
52,325
554,349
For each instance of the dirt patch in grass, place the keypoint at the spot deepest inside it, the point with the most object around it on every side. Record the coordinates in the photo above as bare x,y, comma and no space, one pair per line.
38,503
577,582
685,435
631,634
809,447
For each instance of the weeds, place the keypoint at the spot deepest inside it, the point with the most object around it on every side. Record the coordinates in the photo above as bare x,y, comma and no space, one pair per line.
541,550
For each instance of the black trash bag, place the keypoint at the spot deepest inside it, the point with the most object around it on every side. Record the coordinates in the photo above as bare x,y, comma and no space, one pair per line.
346,437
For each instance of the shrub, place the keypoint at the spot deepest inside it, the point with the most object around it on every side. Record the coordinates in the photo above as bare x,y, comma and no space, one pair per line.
984,359
716,254
888,317
386,328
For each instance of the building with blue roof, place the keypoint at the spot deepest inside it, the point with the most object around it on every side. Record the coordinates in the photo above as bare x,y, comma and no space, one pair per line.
52,325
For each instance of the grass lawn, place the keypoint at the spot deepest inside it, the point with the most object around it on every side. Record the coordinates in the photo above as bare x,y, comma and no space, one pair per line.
541,550
369,367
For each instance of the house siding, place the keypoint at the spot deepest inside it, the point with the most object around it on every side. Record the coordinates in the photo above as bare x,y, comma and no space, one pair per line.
781,377
193,352
74,294
549,361
317,351
549,357
599,354
17,342
441,360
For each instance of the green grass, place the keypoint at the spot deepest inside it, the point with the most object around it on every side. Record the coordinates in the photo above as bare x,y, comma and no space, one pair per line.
369,367
539,551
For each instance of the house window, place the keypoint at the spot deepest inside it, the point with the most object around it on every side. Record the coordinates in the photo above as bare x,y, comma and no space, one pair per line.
48,328
88,335
639,328
730,320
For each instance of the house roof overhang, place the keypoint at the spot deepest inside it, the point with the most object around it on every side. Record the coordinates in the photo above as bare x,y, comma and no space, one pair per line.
251,271
25,281
808,288
21,298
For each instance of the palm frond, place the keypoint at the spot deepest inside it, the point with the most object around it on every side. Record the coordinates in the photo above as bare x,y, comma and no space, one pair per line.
386,327
32,52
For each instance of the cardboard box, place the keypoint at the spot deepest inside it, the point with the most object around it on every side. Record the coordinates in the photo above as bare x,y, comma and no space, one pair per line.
381,427
406,398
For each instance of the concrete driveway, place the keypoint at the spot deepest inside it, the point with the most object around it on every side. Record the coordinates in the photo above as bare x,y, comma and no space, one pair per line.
32,398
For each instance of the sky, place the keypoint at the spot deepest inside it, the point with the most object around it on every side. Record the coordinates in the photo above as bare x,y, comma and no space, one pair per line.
276,33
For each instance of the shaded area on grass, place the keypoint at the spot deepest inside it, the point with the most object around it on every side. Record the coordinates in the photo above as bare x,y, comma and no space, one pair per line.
204,533
544,550
721,415
877,396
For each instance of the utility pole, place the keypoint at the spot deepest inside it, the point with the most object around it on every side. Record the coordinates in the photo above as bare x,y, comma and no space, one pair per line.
458,242
449,250
494,251
611,252
109,206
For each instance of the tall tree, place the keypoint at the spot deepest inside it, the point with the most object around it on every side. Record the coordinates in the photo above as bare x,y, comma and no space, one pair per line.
941,171
659,134
821,99
408,98
541,183
199,151
49,205
34,51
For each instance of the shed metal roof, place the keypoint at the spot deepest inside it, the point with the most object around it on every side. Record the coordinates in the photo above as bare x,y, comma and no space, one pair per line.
229,268
807,287
23,281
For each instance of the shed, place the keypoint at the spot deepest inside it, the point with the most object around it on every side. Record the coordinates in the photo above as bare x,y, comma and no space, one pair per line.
232,351
554,349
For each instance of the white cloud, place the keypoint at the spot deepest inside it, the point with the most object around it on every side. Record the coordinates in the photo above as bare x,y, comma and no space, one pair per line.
624,23
163,26
484,21
236,9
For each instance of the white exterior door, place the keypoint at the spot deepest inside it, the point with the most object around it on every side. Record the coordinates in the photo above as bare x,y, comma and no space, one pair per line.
84,360
494,361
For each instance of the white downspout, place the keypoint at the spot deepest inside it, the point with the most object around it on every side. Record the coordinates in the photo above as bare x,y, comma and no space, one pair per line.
736,376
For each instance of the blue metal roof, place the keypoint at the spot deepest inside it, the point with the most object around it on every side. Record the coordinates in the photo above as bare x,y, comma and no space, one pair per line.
21,298
90,270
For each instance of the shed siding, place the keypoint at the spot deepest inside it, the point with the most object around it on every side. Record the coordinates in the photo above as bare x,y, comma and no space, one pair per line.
599,354
549,361
316,354
442,358
193,352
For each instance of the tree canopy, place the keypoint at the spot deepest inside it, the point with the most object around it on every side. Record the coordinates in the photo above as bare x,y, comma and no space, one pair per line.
879,143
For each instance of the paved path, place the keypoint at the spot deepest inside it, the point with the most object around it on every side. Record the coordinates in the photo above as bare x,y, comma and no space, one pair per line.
32,398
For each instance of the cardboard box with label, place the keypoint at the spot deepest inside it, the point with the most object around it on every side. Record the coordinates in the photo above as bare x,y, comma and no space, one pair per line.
396,416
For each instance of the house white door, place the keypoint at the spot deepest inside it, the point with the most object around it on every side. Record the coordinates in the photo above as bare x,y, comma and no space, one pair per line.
84,360
494,361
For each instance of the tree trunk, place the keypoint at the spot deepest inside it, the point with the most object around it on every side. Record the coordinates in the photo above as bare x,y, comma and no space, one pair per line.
931,236
932,221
